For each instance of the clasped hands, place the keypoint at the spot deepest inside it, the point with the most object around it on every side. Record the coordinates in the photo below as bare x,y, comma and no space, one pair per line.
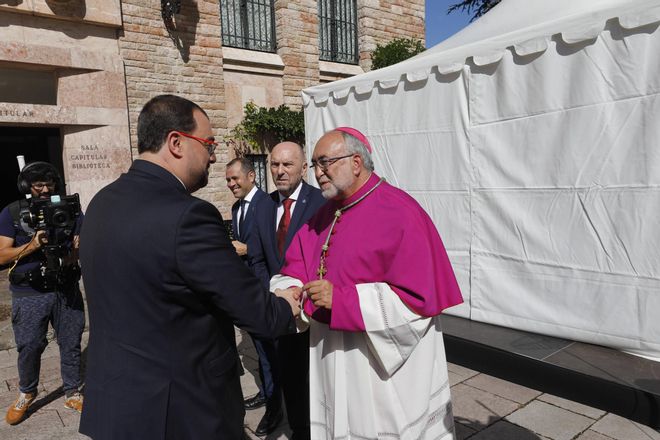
318,291
292,295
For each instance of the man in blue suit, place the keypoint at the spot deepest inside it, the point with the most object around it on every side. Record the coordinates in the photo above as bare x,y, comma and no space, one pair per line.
162,278
240,177
278,219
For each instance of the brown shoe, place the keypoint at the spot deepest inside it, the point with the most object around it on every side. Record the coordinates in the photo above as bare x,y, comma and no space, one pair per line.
17,410
74,402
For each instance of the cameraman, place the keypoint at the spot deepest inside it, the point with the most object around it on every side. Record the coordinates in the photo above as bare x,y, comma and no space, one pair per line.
32,307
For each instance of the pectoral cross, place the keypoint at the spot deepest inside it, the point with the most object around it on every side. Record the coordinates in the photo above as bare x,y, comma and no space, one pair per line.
324,249
322,271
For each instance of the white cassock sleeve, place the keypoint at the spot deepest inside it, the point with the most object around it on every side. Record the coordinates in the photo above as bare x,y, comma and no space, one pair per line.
284,282
393,330
390,378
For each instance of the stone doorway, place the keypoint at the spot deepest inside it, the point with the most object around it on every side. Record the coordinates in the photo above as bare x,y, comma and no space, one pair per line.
36,144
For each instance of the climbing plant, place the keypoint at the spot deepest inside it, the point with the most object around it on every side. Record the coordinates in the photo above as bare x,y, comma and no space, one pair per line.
263,127
395,51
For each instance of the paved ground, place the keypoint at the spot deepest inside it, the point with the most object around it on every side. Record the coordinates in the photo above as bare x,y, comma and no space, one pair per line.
485,408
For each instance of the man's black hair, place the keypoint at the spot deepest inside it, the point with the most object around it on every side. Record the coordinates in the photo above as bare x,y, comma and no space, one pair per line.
246,164
161,115
39,172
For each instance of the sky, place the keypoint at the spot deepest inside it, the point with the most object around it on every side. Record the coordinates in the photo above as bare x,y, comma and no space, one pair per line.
439,25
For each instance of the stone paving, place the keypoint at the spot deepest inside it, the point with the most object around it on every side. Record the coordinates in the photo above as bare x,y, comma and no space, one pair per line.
485,407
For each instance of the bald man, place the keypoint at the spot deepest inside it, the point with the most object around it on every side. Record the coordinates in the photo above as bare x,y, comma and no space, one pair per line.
278,219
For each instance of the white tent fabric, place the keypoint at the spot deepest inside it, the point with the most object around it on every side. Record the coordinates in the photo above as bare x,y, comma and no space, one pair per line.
531,138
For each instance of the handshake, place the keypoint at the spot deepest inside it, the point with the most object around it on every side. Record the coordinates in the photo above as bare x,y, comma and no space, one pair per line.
292,295
319,292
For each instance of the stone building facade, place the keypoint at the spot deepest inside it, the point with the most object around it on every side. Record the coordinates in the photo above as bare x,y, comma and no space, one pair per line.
74,74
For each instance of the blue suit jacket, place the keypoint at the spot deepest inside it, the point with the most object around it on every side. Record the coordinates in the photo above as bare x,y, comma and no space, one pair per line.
263,256
249,217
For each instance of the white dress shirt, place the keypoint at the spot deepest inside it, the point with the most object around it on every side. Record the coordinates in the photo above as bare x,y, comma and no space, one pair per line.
244,207
280,206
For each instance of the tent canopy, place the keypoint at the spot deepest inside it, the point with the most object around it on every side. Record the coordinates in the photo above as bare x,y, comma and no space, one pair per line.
531,138
525,26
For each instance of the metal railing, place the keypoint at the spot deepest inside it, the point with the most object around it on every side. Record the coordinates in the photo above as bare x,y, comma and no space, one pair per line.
338,31
248,24
259,164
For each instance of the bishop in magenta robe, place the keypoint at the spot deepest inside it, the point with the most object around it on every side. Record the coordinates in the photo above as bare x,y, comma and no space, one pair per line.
376,276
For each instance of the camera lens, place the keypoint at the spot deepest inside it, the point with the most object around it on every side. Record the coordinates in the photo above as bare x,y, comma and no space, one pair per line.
60,218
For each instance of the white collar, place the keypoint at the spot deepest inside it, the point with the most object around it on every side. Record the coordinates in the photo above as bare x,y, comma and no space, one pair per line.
294,196
251,194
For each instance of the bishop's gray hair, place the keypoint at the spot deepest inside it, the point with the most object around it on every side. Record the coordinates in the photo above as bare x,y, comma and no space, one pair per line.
354,146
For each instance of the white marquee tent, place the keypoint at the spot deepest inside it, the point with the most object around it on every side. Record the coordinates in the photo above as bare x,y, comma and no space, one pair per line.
532,138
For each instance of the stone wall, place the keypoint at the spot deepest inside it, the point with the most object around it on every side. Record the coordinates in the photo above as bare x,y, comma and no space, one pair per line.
297,25
185,60
76,45
380,21
103,12
111,56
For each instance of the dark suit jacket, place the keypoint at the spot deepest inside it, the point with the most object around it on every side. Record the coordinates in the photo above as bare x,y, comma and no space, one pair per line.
165,288
263,255
249,216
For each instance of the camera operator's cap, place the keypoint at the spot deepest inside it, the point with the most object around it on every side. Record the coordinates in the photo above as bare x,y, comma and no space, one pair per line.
357,135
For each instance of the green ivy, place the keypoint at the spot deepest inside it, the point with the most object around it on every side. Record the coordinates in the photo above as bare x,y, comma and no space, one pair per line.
395,51
264,127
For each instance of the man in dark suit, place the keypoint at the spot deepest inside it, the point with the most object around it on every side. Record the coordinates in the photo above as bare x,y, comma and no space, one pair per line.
240,177
279,218
164,288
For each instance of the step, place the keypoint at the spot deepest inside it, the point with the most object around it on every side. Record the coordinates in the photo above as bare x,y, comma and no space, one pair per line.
593,375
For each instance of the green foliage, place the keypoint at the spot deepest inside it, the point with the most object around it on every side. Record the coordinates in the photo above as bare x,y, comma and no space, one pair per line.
475,7
264,127
395,51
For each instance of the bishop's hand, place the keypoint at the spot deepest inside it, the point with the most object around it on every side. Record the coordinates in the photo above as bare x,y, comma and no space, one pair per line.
320,293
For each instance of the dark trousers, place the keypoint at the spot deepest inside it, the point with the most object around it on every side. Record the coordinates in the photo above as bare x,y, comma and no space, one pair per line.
30,318
293,352
268,368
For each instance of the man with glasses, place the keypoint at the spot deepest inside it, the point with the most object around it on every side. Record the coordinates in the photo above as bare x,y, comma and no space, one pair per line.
35,302
165,288
278,219
375,276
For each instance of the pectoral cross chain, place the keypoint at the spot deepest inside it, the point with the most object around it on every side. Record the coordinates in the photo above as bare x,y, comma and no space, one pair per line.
322,268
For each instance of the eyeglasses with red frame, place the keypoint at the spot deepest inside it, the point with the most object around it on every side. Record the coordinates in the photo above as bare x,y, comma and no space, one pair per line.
209,144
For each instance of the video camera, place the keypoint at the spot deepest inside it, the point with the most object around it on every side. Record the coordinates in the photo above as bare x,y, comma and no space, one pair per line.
56,216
